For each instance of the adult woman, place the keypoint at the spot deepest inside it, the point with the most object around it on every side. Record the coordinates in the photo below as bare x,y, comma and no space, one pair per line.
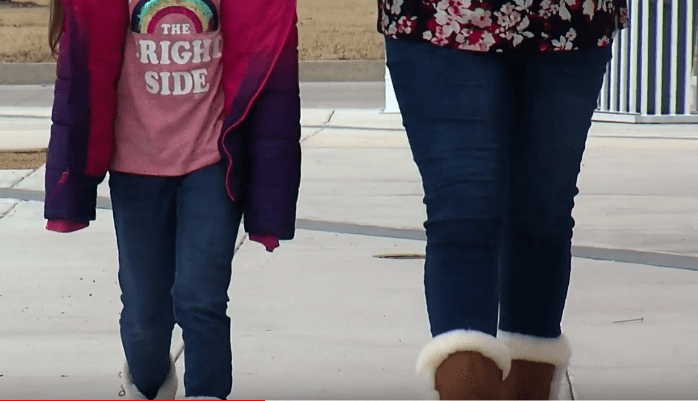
497,98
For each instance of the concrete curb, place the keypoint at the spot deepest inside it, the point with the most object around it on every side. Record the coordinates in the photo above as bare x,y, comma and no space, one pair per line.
25,112
342,71
310,71
27,73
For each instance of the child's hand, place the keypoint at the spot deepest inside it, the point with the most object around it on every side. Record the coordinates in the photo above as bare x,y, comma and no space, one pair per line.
65,226
269,241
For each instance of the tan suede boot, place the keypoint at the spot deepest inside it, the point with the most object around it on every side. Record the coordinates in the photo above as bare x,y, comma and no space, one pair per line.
468,376
538,366
528,381
465,365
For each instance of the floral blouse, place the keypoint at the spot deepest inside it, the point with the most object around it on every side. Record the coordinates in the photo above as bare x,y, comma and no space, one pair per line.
504,25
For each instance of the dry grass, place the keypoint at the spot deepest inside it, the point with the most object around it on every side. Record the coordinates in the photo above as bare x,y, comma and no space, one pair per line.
24,44
22,160
44,3
24,34
329,30
338,30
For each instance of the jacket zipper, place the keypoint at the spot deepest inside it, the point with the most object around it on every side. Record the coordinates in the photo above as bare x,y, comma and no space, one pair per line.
230,163
254,99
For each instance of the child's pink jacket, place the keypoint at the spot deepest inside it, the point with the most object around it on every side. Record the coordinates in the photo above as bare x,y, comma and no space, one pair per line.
260,137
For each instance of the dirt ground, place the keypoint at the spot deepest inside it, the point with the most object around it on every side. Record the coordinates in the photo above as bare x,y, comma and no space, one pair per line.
21,160
339,30
328,29
23,32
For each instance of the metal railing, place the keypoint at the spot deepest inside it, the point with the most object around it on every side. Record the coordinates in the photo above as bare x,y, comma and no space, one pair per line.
651,77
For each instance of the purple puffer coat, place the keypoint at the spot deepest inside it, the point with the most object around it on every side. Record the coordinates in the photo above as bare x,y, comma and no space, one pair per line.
260,138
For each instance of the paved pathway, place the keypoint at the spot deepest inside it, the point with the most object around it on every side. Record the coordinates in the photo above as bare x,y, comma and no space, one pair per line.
322,318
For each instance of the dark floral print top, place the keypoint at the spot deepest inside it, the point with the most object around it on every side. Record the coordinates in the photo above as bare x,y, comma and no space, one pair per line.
504,25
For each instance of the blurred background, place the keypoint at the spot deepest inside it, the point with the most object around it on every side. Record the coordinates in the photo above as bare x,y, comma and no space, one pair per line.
329,30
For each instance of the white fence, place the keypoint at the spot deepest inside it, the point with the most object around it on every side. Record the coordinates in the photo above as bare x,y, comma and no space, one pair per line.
651,78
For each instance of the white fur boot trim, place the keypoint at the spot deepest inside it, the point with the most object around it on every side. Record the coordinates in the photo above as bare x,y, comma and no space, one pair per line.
166,392
446,344
555,351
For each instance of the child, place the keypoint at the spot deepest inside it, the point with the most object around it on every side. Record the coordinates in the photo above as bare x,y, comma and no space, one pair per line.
193,107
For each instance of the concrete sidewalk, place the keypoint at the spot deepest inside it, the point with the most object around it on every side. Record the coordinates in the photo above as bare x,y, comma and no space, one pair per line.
323,318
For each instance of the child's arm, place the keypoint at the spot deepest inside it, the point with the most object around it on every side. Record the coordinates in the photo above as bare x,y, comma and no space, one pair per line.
270,242
90,54
275,153
65,226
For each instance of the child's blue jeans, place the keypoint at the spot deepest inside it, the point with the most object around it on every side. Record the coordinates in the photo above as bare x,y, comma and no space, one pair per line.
176,239
498,140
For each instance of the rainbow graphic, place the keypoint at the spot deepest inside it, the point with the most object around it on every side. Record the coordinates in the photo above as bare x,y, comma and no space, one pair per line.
148,14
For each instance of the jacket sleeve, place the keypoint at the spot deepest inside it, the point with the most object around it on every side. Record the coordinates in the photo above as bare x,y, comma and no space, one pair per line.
274,150
80,148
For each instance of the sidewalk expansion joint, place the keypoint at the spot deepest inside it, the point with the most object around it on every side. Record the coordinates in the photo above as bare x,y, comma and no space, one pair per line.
345,127
330,117
568,376
241,242
646,258
24,178
313,135
2,215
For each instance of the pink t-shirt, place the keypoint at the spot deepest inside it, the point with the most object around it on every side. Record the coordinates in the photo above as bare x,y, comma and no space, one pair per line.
170,100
